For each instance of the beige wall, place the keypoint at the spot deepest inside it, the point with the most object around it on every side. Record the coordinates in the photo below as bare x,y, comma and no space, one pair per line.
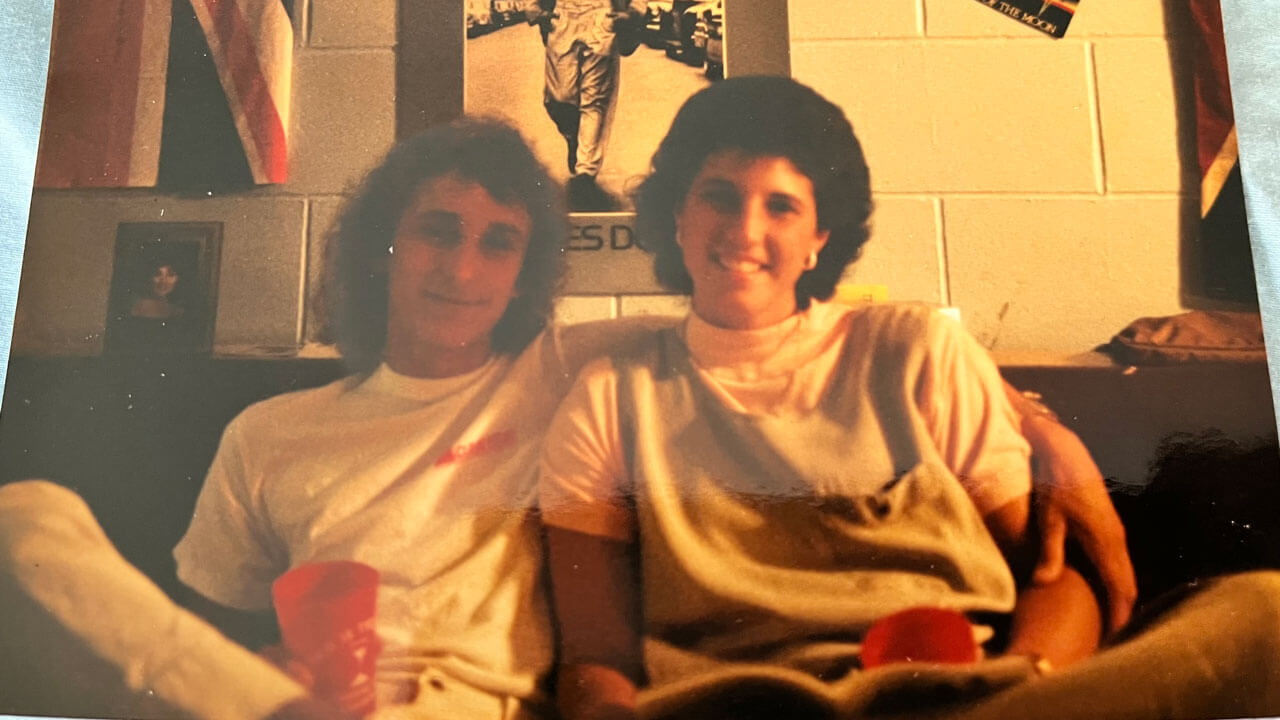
1034,183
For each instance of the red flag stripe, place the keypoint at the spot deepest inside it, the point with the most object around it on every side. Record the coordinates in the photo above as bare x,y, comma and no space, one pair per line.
1214,118
248,90
124,95
93,93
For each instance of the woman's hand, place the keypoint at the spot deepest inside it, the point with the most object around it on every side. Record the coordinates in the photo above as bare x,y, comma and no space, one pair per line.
595,692
1071,498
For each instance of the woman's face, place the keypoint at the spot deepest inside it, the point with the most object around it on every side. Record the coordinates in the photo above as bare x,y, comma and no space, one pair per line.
163,281
746,229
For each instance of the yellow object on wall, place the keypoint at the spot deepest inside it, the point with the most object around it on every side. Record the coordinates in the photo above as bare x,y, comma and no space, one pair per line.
853,294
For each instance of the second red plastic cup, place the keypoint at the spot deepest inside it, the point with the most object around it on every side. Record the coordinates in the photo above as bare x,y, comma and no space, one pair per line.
920,634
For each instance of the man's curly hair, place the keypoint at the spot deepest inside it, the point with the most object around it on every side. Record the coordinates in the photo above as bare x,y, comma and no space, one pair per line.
353,299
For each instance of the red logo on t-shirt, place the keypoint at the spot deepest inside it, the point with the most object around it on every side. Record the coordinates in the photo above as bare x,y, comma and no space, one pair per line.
487,444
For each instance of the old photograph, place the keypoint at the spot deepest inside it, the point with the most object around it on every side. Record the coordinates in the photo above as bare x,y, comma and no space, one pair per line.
162,281
675,359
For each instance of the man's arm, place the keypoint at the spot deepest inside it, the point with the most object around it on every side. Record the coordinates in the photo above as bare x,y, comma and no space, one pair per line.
1056,620
1071,498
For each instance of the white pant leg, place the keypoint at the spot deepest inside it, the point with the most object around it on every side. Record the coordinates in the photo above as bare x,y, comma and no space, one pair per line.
1215,655
597,90
561,81
84,632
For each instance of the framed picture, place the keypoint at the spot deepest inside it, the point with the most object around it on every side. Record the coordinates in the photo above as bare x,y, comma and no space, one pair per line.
163,288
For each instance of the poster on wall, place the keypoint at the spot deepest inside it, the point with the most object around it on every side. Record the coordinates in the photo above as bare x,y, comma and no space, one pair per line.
592,84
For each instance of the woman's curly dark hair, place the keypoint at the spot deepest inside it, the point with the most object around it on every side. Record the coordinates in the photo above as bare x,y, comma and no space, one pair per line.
354,298
760,116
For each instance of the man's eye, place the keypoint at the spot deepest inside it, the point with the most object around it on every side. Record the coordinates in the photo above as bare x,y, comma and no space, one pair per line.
501,242
782,206
439,234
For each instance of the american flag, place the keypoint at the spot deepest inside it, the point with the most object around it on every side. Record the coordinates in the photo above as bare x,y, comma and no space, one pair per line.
104,107
1225,260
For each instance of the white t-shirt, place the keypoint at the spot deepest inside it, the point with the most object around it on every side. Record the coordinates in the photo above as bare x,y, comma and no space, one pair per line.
785,369
429,481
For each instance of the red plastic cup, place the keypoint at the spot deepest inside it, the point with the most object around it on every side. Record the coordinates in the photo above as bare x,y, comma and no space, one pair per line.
326,612
919,634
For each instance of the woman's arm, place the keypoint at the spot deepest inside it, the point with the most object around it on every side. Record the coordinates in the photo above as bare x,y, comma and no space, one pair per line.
1070,497
591,552
596,593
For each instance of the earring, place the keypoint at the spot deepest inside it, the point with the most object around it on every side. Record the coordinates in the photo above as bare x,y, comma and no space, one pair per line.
811,262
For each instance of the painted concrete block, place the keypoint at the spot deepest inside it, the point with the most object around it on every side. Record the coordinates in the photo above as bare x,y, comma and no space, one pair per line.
1062,274
1141,123
323,211
345,119
66,276
671,305
903,251
353,23
962,116
572,309
825,19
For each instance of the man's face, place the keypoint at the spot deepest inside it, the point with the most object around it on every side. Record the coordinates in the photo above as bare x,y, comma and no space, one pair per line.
455,258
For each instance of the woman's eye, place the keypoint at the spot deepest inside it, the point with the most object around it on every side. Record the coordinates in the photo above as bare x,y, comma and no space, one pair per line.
720,200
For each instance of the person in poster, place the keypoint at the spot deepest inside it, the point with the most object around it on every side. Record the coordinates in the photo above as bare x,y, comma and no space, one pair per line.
584,40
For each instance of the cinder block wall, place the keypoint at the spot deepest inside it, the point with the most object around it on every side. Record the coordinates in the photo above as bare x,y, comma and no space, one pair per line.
1036,184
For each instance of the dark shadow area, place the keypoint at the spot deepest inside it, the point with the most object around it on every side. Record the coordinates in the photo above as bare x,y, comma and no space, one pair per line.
1216,263
134,435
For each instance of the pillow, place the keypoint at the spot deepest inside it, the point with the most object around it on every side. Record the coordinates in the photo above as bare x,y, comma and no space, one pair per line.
1193,337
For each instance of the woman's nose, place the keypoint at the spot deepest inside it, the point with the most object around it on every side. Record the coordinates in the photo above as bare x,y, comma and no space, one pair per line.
752,223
